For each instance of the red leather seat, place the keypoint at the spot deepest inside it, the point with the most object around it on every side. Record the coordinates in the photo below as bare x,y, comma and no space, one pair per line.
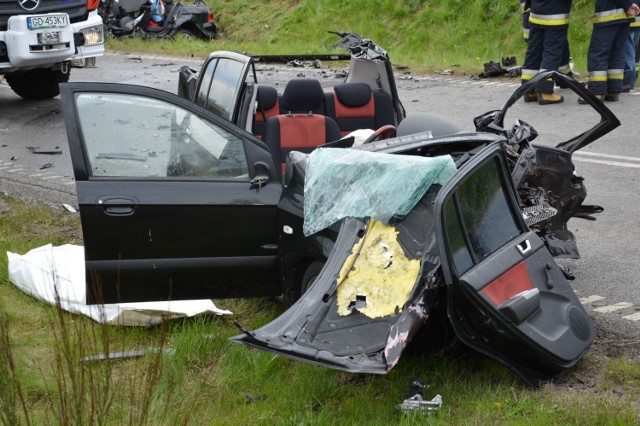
300,129
355,106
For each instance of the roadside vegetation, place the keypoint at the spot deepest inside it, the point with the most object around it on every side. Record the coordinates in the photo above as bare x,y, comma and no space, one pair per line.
427,36
192,373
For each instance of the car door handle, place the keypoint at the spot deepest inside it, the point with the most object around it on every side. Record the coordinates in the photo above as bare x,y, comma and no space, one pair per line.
117,206
524,247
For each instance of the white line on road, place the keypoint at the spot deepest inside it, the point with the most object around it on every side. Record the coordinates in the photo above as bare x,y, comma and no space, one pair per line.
633,317
614,307
591,299
608,163
599,154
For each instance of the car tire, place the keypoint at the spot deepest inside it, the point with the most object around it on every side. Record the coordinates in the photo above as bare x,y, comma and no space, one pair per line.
308,278
37,84
185,33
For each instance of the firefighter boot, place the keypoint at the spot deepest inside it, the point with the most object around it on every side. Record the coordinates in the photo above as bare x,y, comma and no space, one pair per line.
549,98
583,101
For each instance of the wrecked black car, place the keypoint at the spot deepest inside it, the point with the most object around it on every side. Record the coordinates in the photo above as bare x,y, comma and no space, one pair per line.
157,18
227,194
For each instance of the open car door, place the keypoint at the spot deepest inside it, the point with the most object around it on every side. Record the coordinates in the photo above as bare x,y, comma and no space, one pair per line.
175,202
507,298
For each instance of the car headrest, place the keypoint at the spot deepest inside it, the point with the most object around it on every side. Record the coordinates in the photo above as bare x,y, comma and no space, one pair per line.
302,95
267,97
353,94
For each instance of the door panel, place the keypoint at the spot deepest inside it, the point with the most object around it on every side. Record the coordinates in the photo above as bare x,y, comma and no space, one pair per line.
507,297
167,207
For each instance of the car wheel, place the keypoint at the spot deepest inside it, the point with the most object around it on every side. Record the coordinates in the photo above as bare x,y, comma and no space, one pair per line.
184,33
40,83
309,276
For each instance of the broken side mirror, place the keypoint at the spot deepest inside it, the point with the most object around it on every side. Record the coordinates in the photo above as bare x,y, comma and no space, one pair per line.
262,174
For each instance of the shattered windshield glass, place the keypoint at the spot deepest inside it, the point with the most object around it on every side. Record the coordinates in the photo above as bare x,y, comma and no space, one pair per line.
352,183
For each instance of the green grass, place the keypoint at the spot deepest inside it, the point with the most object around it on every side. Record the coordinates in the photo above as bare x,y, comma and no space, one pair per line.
427,36
209,380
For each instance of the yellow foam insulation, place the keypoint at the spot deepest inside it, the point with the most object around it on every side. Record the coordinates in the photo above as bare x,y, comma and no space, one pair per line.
377,278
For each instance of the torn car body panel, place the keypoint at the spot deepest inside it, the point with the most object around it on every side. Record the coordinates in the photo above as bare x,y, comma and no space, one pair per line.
505,296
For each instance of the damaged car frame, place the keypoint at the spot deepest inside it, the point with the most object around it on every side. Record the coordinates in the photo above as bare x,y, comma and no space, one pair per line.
182,202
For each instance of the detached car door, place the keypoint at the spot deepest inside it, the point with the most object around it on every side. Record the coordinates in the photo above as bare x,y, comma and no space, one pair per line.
175,202
507,298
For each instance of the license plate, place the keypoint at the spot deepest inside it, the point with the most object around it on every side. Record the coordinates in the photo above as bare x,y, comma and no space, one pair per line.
47,21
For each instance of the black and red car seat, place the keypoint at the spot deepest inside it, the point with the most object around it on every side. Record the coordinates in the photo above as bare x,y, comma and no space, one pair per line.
302,127
355,106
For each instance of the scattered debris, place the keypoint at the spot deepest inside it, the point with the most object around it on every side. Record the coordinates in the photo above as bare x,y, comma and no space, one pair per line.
415,400
46,166
254,398
509,61
69,208
127,354
34,150
494,69
446,72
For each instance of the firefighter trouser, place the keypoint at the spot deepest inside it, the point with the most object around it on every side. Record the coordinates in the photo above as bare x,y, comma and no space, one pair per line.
545,51
606,57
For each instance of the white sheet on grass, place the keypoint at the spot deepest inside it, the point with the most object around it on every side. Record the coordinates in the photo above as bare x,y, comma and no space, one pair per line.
57,275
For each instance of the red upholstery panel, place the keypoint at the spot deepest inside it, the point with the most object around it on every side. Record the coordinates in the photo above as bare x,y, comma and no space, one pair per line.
302,131
343,111
514,281
268,113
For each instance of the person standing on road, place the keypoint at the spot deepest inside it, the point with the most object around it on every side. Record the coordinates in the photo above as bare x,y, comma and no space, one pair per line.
606,56
548,21
630,73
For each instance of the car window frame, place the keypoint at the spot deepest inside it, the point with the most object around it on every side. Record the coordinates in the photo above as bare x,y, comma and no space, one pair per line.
256,151
493,152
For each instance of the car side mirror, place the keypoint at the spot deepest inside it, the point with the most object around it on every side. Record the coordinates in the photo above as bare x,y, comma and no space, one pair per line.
262,174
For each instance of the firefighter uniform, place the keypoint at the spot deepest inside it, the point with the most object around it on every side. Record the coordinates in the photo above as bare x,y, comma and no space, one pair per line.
548,21
526,9
606,56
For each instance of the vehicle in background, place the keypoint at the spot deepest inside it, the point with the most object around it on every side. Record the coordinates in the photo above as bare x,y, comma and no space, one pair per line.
39,40
158,18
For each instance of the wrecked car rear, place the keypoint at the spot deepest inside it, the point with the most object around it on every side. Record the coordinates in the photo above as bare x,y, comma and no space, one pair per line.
478,247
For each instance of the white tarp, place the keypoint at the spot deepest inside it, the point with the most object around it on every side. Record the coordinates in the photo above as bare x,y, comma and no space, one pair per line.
57,275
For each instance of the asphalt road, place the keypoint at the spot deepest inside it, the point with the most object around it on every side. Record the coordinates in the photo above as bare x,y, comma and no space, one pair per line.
607,276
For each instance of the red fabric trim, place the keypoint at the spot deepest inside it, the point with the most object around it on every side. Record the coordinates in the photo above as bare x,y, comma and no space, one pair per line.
268,113
514,281
302,131
343,111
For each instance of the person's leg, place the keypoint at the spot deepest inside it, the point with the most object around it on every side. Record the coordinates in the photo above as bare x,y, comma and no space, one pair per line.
554,45
532,59
598,58
615,70
629,64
